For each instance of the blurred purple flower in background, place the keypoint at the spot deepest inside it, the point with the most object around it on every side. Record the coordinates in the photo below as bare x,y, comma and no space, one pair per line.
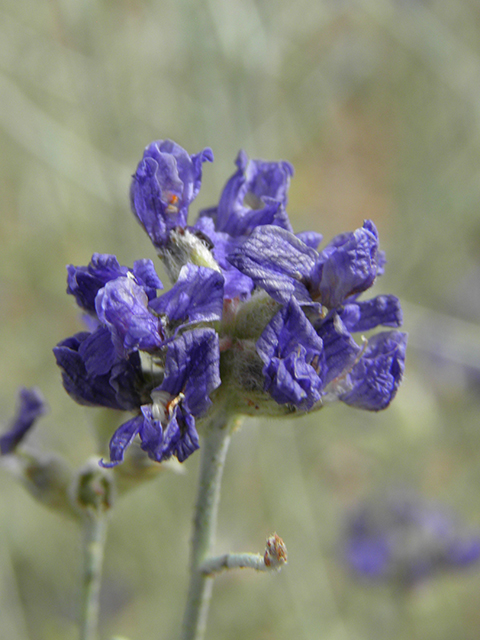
406,539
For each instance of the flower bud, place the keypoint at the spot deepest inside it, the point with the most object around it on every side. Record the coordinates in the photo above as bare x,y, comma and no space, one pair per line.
93,488
46,477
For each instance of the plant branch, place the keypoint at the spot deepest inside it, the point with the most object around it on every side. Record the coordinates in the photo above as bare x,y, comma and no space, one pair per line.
94,530
274,558
213,453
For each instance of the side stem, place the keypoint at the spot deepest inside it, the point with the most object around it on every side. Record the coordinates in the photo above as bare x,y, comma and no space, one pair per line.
213,453
94,530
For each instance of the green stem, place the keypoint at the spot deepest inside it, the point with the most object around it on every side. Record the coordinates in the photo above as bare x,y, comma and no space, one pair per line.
213,453
274,558
94,530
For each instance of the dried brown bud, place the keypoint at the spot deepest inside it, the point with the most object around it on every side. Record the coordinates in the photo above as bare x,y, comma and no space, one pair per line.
275,552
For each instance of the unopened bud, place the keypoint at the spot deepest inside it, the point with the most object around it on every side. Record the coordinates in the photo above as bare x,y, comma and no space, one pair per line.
93,488
275,552
45,476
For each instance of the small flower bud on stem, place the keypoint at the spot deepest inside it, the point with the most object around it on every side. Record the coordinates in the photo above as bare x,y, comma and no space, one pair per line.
274,558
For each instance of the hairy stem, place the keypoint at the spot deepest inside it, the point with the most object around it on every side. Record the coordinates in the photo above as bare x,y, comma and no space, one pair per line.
94,530
234,561
213,453
274,558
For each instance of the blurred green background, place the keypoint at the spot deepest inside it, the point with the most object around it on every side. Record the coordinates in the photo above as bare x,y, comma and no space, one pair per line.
377,105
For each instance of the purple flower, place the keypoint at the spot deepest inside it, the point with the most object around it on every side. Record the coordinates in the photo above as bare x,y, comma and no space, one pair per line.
167,427
368,314
145,276
98,368
94,375
294,359
340,349
192,369
282,311
406,539
197,296
85,282
283,265
374,379
122,306
237,284
167,180
277,261
255,195
31,405
327,284
181,437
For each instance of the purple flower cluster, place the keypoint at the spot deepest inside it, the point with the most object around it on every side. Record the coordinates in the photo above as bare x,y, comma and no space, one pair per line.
250,299
103,367
406,539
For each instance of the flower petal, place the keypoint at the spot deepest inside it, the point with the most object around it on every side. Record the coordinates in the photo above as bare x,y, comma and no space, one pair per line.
31,405
197,296
293,356
121,439
192,368
85,282
277,261
181,437
115,389
167,180
122,306
366,315
345,267
151,435
374,380
255,195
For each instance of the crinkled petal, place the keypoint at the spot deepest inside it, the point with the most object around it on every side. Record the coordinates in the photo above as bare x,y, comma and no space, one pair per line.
181,437
362,316
30,406
340,349
293,356
311,238
126,379
288,329
197,296
122,306
277,261
151,435
167,180
122,439
85,282
293,381
83,388
94,389
345,267
192,368
97,352
374,380
237,285
146,276
153,205
255,195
